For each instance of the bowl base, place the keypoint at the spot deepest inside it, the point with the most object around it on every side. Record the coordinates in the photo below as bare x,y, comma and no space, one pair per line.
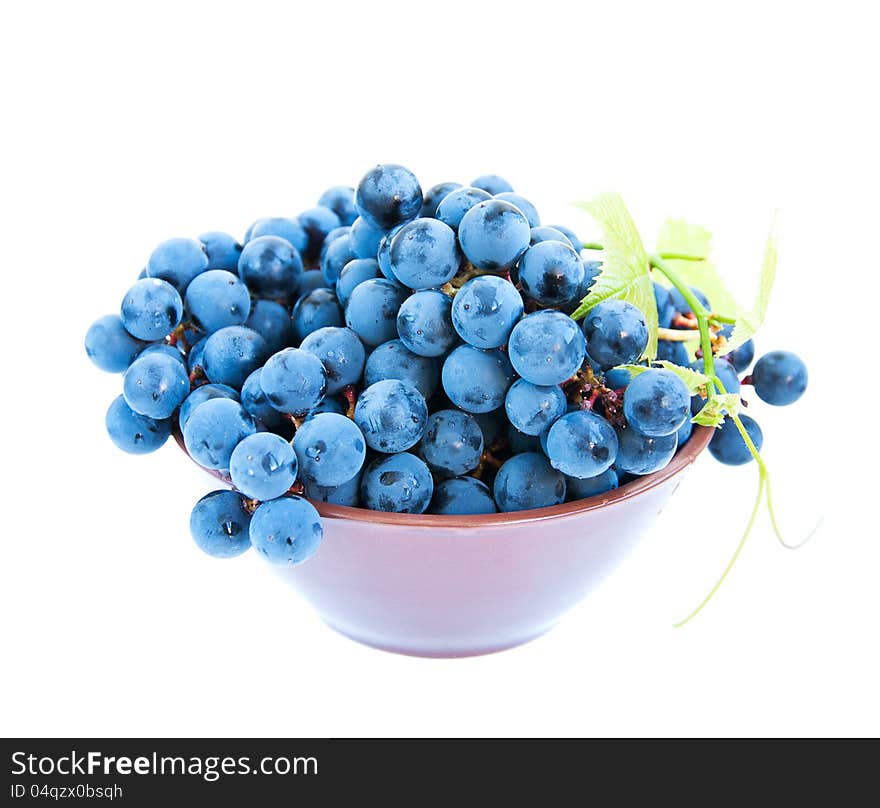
450,653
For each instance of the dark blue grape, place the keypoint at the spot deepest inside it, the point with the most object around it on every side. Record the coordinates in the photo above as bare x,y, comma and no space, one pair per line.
213,430
263,466
383,255
353,273
151,309
365,238
727,445
222,250
569,234
348,494
294,381
155,385
388,195
393,360
178,261
477,380
642,454
311,280
287,530
532,409
673,351
399,483
232,354
584,488
330,449
271,321
288,229
681,305
200,394
424,254
546,347
317,222
462,496
656,402
254,400
665,306
340,199
318,309
135,433
454,205
372,310
540,234
492,184
528,481
110,346
218,298
527,208
424,323
452,444
220,524
434,196
550,272
780,378
392,415
485,310
341,353
616,333
581,444
270,266
740,357
494,234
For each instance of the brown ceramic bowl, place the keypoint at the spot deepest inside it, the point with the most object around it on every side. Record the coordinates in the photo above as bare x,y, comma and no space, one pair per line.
450,586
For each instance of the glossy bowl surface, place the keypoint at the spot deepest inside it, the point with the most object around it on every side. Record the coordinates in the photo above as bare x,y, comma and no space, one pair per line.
451,586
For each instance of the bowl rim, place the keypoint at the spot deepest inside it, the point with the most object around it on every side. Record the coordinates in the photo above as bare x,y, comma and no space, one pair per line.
683,458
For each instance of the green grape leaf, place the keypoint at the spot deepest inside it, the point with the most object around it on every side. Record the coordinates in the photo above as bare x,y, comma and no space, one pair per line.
748,323
716,408
693,379
682,238
626,273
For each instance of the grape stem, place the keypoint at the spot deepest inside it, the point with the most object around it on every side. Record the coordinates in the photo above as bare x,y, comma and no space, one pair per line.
677,334
592,245
674,256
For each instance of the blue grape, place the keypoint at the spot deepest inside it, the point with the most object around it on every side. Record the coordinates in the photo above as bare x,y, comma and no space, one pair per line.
546,347
665,306
155,385
135,433
643,454
330,449
335,233
476,380
493,425
462,496
294,381
178,261
372,310
213,430
569,234
311,280
271,321
494,234
725,372
393,360
365,238
485,310
492,184
424,323
335,257
340,352
532,409
550,272
383,255
616,333
672,351
340,199
616,378
200,394
222,250
518,442
540,234
220,524
348,494
453,206
254,400
434,196
280,227
263,466
317,222
527,208
217,298
740,357
586,487
452,444
399,483
682,306
109,345
318,309
195,357
581,444
353,273
684,432
392,415
727,445
286,530
151,309
656,403
270,266
528,481
424,254
592,269
328,404
780,378
232,354
388,195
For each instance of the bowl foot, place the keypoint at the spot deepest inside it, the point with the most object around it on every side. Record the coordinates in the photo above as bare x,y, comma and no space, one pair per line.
440,652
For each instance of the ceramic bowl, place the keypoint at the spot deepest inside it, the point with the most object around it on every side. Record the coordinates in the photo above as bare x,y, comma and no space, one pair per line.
452,586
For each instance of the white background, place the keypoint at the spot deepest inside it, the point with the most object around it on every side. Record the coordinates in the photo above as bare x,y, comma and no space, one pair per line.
126,124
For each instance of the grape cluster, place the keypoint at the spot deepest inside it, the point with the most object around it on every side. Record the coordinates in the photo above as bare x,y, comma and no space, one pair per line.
399,351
